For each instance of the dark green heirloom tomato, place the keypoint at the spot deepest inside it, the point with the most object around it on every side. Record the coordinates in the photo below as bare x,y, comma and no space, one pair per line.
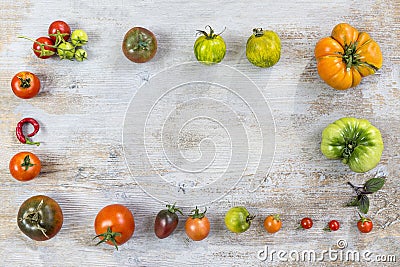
40,218
139,45
238,219
209,48
263,48
354,141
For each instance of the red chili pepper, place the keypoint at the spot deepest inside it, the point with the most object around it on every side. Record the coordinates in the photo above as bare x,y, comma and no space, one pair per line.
20,135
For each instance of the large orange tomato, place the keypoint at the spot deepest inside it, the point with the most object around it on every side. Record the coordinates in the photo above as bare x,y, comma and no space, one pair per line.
347,56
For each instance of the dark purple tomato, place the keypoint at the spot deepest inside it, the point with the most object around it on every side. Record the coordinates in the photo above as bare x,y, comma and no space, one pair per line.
166,221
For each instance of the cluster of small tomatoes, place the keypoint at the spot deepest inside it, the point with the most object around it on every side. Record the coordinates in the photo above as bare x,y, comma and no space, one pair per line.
60,41
353,55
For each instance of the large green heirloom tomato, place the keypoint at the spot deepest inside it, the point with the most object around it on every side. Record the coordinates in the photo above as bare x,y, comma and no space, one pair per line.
354,141
263,48
209,48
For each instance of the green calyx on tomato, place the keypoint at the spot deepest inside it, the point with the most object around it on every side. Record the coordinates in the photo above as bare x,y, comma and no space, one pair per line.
196,214
139,45
210,48
238,219
263,48
356,142
173,209
27,163
25,83
34,218
363,219
108,236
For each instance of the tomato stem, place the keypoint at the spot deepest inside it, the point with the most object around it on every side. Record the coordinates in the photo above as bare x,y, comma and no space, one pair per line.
211,34
108,236
350,57
277,217
196,214
59,37
258,32
46,52
327,229
34,217
25,83
144,43
27,163
173,209
250,218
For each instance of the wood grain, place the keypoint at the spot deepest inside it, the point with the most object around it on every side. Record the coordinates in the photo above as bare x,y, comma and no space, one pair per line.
82,106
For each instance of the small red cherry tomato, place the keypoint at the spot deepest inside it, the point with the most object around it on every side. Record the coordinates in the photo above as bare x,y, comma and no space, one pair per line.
44,47
306,223
333,225
364,225
58,31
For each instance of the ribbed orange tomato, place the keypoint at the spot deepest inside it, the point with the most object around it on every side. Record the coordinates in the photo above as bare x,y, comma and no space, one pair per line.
347,56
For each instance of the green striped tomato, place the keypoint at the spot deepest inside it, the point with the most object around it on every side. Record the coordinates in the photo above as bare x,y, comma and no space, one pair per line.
209,48
263,48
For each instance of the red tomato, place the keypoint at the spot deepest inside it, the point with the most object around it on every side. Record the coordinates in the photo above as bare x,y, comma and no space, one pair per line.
365,225
24,166
59,30
306,223
197,226
114,224
332,226
25,84
43,47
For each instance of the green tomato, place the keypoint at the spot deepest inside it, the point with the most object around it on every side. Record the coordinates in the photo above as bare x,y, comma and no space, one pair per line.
354,141
209,48
80,54
263,48
66,50
238,219
79,37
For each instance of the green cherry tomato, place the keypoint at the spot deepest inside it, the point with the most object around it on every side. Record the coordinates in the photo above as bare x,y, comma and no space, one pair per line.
238,219
66,50
356,142
209,48
80,54
79,38
263,48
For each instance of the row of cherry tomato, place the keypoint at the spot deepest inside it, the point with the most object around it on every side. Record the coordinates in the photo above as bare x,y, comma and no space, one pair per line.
41,218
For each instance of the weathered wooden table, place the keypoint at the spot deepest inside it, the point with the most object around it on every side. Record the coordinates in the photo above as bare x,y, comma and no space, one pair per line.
194,125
